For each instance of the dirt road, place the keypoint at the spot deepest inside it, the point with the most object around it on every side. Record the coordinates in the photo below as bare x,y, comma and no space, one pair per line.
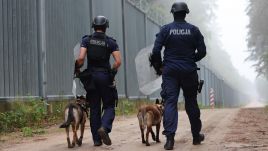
225,129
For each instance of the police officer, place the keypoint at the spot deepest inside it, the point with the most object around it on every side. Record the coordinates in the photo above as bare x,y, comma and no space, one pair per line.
97,48
184,46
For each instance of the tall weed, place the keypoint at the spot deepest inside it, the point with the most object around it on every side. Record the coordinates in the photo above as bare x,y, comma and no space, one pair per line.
23,114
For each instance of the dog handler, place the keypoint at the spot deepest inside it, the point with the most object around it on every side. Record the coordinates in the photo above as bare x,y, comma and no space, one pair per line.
184,46
99,77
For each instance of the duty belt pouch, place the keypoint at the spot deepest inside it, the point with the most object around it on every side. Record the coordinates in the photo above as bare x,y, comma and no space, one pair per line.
114,94
87,81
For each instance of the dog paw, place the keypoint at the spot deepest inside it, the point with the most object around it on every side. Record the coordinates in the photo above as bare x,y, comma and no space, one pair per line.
158,141
70,146
79,142
153,137
73,144
147,144
143,142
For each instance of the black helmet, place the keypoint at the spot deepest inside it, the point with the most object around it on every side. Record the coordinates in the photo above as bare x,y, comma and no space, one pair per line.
179,6
100,21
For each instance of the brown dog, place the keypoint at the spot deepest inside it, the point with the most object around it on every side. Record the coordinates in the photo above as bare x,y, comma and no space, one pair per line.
150,115
75,115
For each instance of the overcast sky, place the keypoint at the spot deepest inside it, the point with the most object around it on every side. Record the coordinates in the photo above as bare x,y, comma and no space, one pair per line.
232,20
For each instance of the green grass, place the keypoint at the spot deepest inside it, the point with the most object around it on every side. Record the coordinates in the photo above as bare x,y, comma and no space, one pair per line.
130,107
29,132
23,114
32,116
29,117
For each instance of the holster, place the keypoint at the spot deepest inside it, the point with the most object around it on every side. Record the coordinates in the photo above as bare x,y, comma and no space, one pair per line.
87,80
114,94
200,85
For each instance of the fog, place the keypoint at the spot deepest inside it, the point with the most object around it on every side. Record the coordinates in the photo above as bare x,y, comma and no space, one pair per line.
220,56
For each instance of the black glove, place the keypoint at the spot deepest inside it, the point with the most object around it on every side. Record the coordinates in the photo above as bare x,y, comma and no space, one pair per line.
77,68
156,63
113,72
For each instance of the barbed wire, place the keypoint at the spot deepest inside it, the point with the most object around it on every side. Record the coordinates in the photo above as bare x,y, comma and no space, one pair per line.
145,7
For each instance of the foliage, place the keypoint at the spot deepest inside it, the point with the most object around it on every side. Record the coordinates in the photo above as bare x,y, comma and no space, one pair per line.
262,87
32,116
258,35
130,107
28,117
27,131
24,114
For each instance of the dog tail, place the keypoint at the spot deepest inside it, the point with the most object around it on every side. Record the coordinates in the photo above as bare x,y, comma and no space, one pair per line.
142,119
70,118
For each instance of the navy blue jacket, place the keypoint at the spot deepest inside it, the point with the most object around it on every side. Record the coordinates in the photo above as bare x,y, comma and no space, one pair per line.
184,45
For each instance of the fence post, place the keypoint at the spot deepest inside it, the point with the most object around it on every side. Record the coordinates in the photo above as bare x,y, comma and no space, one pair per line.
211,98
124,47
42,52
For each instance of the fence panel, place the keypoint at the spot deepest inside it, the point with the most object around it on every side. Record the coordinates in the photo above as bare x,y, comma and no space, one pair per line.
66,22
2,79
151,30
113,11
135,41
19,48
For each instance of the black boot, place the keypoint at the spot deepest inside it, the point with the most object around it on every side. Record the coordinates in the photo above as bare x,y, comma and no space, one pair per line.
98,143
104,136
170,143
199,139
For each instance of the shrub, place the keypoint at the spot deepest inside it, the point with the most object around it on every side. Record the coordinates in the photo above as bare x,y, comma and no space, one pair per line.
27,131
24,114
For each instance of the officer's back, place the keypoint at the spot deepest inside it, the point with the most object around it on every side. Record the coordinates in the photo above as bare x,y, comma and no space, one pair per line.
181,40
98,79
184,46
99,42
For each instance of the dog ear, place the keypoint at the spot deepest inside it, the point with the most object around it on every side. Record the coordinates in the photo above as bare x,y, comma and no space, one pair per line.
157,101
162,102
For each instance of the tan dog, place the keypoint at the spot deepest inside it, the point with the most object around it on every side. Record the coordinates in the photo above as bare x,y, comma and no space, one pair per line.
75,115
150,115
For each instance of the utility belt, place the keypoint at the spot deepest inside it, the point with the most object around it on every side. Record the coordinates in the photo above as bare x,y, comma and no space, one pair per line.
99,69
89,84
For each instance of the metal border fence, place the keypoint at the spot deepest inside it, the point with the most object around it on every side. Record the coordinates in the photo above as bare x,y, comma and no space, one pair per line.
37,38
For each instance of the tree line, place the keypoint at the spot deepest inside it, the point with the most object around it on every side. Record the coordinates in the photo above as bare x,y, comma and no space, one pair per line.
258,35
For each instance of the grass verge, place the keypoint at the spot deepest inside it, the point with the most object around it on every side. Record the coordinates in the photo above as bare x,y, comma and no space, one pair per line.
31,117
